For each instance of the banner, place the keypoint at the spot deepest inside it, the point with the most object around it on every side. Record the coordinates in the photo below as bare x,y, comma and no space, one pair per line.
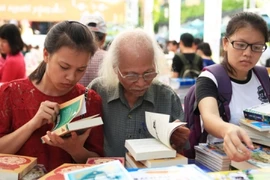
46,10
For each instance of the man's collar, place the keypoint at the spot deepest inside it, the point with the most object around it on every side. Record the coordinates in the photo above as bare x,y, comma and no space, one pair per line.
115,94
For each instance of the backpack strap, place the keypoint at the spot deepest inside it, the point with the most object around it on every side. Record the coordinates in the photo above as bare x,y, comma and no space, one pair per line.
262,74
224,89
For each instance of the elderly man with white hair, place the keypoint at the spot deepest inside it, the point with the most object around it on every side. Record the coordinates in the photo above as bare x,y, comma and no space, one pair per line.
128,88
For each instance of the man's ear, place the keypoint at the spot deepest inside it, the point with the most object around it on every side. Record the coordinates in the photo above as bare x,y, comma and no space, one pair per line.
45,55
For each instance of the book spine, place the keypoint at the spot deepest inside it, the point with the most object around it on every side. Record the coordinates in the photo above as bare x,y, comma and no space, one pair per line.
257,117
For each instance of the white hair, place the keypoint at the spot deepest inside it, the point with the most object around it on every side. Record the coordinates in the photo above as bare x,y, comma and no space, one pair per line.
135,39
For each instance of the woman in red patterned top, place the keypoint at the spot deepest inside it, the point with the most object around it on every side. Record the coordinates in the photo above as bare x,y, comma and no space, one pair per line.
11,45
29,106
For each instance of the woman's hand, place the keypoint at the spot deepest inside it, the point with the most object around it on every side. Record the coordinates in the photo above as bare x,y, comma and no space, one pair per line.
46,114
237,144
71,144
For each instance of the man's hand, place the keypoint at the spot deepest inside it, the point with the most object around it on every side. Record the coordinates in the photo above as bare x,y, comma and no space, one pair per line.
180,137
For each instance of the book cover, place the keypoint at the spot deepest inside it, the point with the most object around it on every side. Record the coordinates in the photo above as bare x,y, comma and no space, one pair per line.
185,172
178,160
100,160
161,129
58,173
70,110
258,113
228,175
15,166
36,172
257,125
260,158
109,170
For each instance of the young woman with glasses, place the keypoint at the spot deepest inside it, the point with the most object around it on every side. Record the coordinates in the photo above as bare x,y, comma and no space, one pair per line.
244,43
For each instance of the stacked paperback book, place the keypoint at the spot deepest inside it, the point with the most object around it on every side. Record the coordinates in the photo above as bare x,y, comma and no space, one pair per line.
157,151
259,132
212,156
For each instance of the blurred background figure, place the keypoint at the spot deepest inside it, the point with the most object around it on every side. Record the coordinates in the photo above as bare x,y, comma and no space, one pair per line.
187,64
173,46
32,58
205,52
11,45
196,42
98,26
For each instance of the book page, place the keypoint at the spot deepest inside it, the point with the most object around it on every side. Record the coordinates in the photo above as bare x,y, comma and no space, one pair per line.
69,110
159,126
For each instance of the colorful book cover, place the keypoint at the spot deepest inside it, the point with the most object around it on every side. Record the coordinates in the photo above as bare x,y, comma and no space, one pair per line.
228,175
185,172
58,173
258,113
109,170
101,160
260,156
15,166
37,172
69,110
257,125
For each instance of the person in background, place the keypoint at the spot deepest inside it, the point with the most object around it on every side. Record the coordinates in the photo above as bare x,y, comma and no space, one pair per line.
244,43
173,46
30,106
98,26
196,42
187,63
128,88
204,51
11,44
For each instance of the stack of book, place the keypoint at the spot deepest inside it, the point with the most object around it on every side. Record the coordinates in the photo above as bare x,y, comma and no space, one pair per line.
259,132
260,158
14,167
156,151
258,113
212,156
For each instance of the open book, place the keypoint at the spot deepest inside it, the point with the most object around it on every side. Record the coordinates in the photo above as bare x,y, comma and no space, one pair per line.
161,129
70,110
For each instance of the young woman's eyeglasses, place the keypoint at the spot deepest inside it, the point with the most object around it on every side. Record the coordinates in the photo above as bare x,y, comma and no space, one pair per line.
135,77
243,45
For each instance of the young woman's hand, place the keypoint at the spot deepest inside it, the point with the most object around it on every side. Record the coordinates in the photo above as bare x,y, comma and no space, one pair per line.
46,114
71,144
237,144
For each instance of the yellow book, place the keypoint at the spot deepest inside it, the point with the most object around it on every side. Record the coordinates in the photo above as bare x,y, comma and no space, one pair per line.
14,167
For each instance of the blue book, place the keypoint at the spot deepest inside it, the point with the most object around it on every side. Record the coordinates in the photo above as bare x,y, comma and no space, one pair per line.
260,126
109,170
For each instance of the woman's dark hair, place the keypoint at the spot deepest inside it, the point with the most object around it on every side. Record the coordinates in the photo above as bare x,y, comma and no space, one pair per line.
12,34
70,34
205,48
242,20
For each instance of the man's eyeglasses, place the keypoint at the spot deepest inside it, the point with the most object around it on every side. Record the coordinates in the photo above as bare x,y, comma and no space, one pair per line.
243,45
135,77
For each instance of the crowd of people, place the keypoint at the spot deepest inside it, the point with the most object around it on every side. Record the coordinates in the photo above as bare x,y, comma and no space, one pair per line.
120,85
